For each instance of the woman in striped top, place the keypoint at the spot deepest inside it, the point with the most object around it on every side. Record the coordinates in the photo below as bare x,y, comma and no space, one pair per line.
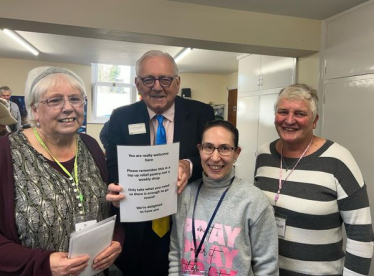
315,186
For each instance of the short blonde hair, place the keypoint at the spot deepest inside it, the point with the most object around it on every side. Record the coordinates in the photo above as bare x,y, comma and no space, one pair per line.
299,91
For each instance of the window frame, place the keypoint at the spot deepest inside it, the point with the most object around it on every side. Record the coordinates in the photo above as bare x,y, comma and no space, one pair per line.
96,84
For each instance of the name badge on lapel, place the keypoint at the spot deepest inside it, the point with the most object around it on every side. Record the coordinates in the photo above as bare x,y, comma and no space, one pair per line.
137,129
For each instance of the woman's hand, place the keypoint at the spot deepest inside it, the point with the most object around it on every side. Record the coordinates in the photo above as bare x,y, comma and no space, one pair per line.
108,256
114,195
61,265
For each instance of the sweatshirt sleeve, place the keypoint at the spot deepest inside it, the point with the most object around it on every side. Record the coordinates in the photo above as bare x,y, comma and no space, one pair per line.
355,212
177,233
264,239
354,208
174,254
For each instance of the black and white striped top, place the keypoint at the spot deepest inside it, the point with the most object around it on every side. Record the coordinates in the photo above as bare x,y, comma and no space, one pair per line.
325,190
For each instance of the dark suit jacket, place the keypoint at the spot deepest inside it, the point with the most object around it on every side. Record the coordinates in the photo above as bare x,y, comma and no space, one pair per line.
190,119
144,253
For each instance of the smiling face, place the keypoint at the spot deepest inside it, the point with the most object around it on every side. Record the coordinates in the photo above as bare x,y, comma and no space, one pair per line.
216,166
294,121
59,121
157,98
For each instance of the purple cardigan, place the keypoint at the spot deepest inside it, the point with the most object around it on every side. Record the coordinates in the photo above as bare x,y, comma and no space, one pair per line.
16,259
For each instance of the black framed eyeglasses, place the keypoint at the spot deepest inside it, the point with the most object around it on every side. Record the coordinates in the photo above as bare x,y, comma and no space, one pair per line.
223,150
164,81
58,102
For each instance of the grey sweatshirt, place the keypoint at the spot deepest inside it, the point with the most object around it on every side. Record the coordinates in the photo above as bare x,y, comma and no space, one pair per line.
242,239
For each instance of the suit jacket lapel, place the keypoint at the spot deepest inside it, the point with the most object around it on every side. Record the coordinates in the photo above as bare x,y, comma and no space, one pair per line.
141,117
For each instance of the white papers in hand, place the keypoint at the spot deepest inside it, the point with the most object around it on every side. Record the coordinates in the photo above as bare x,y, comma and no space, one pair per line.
91,241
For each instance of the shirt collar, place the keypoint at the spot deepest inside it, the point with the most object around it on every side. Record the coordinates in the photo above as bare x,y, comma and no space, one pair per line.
168,114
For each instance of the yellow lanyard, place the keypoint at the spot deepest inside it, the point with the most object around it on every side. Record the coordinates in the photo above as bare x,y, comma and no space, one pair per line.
75,181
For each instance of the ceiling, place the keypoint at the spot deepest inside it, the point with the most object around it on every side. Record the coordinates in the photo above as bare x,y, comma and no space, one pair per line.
68,49
312,9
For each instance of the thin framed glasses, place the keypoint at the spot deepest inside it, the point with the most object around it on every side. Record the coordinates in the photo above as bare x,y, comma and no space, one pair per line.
223,150
164,81
59,102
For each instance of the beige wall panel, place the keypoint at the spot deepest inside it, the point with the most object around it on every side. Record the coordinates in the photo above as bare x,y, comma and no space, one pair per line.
206,88
307,70
232,81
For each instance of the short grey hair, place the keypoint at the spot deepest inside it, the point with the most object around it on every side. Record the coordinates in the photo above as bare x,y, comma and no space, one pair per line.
299,91
41,79
5,88
155,53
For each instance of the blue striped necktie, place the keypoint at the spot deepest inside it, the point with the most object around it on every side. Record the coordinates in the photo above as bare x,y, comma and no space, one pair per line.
162,225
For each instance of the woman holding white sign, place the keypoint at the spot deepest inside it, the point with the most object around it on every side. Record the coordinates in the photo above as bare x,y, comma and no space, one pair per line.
224,225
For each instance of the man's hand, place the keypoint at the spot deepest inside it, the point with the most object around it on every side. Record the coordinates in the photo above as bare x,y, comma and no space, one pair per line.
114,195
183,175
61,265
108,256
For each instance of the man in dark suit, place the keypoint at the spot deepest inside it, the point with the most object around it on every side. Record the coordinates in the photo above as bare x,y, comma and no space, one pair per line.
145,252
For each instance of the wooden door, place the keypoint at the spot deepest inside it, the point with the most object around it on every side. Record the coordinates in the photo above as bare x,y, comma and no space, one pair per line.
232,106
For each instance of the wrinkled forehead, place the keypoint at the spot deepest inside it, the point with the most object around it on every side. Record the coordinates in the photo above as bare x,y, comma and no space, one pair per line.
56,82
294,102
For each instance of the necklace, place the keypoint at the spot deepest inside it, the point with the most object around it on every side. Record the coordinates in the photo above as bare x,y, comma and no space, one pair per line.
74,181
281,183
285,164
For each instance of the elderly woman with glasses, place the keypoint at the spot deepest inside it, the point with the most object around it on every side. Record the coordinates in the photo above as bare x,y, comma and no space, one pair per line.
52,179
224,225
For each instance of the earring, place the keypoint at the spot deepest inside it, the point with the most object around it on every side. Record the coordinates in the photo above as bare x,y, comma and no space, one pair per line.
37,124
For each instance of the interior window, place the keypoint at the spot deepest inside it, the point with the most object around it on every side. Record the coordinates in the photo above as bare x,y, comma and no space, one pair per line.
113,87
